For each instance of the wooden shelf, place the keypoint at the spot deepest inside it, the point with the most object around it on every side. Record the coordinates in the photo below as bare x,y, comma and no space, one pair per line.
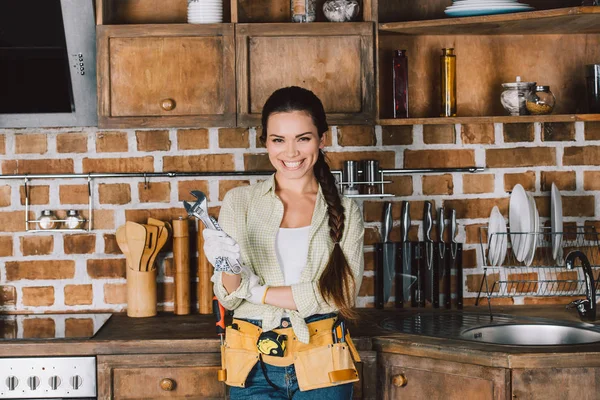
486,120
573,20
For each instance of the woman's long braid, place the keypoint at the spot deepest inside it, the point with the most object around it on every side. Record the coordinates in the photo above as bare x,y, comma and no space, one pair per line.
336,282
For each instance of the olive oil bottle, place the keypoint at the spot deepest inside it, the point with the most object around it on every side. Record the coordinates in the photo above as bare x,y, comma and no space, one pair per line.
448,83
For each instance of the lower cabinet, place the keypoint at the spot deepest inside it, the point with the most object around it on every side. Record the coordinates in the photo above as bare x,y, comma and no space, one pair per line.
408,377
160,376
556,383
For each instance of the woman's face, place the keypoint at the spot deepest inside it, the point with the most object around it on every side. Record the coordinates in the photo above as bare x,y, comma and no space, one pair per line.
293,143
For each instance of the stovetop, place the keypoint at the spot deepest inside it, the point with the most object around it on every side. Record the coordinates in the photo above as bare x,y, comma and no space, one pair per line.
50,326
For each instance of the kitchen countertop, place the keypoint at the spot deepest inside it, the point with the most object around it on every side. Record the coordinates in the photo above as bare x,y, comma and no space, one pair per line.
168,333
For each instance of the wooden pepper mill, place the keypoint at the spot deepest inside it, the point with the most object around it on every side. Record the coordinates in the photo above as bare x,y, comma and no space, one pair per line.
205,270
181,261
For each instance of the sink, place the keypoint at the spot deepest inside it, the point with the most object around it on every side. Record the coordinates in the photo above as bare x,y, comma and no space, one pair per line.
531,334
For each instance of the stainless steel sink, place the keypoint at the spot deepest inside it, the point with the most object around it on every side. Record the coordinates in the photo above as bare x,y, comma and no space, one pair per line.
531,334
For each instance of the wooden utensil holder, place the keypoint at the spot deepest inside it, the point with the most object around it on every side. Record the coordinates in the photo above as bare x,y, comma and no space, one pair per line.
141,293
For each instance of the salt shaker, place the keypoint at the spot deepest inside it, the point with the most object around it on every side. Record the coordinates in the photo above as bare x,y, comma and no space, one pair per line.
47,220
72,221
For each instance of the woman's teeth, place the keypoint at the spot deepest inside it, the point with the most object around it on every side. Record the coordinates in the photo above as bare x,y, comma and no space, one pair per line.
292,165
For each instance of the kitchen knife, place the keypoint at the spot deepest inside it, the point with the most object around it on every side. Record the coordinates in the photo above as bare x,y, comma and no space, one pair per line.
389,251
441,257
456,260
404,283
431,277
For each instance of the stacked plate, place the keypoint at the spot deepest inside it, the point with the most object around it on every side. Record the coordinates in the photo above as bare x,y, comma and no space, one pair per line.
205,11
497,238
524,222
556,215
467,8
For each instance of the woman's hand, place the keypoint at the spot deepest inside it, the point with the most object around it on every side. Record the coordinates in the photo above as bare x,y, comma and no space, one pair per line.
257,291
219,244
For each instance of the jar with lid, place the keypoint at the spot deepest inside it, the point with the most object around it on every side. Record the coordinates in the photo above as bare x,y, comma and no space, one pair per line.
540,101
304,10
514,94
47,220
341,10
73,221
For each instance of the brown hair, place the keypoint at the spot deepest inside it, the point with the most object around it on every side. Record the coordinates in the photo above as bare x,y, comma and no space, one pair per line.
336,283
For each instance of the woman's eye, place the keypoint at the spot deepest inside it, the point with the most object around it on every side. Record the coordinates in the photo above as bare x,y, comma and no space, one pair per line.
277,140
305,139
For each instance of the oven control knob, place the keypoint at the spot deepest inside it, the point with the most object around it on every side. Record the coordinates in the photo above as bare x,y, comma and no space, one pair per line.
76,381
12,382
33,382
54,382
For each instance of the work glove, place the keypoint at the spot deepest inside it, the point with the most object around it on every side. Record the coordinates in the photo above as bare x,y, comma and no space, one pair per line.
256,290
218,246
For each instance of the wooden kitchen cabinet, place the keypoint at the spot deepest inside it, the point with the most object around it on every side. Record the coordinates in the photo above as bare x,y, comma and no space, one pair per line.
166,75
335,61
408,377
556,383
159,376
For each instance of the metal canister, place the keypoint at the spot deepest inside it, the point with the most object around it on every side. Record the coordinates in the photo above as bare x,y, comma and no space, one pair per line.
372,176
350,177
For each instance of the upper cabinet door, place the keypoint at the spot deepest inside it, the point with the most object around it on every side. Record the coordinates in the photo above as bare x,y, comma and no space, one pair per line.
335,61
166,76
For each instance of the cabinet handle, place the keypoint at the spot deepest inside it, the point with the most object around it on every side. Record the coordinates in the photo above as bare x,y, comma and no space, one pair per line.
167,384
399,380
167,104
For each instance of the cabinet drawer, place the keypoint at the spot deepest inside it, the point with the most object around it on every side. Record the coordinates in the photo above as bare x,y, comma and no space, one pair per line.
157,383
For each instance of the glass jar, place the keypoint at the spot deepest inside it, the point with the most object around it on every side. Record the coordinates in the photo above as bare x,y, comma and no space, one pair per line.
590,3
73,221
540,101
304,10
513,96
47,220
448,83
341,10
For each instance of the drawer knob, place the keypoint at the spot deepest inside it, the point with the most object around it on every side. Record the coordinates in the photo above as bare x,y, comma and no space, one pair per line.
167,104
167,384
399,380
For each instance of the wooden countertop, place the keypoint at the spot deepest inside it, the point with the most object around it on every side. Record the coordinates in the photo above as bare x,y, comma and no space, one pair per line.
168,333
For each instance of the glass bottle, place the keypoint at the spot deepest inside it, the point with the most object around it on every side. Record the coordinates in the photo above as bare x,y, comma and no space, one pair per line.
400,81
304,10
47,220
72,221
540,101
593,87
448,83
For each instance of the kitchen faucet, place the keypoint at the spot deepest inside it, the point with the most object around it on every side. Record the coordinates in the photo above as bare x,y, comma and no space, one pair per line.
585,307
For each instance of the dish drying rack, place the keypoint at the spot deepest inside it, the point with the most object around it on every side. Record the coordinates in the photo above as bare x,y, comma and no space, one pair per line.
545,276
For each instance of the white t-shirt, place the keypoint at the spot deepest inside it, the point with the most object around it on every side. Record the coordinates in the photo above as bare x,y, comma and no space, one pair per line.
291,246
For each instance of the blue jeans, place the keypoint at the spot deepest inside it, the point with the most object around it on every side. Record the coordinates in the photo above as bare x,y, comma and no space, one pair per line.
257,386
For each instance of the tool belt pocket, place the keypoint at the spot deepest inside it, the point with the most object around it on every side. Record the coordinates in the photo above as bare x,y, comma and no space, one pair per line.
237,359
335,366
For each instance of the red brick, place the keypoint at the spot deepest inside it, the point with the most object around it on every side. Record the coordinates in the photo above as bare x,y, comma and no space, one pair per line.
39,328
564,180
192,139
257,162
40,269
114,193
31,143
156,192
38,296
71,143
474,282
6,246
562,300
522,283
199,163
526,179
8,295
476,235
520,157
591,180
110,244
373,210
372,236
73,194
356,135
370,261
519,132
439,134
111,142
401,185
185,187
79,244
127,164
438,184
62,166
495,301
477,133
470,259
439,158
115,293
103,219
37,245
5,193
386,158
234,138
478,183
153,140
592,130
579,206
106,268
38,195
476,208
226,185
558,131
79,327
588,155
2,144
396,135
77,295
14,221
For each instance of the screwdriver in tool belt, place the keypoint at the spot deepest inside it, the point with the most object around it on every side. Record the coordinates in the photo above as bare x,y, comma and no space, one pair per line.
219,313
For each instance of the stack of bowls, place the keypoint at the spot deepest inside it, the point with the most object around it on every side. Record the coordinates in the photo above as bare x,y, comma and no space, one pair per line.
205,11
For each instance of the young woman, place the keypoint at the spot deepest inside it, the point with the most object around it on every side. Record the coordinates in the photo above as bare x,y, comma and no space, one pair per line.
301,244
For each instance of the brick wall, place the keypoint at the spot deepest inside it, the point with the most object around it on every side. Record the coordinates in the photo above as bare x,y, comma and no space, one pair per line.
45,272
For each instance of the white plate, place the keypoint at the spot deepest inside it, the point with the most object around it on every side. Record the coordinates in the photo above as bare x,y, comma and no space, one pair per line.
519,216
556,215
535,224
487,6
496,239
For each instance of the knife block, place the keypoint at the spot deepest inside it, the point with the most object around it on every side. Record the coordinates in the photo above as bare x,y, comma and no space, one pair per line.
141,293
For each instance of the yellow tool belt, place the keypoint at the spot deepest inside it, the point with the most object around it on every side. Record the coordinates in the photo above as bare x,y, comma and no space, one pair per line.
320,363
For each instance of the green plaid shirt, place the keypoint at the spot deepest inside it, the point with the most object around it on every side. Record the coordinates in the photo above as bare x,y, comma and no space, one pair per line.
252,216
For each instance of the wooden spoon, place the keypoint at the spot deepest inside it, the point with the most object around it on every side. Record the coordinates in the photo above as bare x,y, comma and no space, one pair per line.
149,247
136,240
163,235
122,243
